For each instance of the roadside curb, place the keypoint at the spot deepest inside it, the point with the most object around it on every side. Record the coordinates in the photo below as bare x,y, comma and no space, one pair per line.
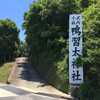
11,75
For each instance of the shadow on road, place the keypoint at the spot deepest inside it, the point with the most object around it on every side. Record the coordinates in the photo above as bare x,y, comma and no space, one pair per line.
26,76
27,72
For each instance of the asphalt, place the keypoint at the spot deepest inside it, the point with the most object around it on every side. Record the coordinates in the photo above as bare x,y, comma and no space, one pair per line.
15,90
27,85
30,97
27,95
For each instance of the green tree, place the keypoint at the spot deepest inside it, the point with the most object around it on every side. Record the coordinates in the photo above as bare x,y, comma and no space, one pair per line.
22,50
91,88
46,25
8,39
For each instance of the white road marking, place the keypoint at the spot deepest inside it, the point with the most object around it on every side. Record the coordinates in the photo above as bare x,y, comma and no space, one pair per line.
5,93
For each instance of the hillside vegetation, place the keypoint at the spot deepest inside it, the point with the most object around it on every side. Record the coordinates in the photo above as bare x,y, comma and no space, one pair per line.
5,70
9,40
46,28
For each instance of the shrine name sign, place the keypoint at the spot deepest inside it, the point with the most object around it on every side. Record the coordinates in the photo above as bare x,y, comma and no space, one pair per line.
75,49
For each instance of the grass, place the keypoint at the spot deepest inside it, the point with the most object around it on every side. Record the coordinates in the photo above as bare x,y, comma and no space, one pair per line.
5,70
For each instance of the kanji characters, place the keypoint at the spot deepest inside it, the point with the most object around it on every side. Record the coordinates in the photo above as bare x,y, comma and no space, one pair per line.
76,75
75,49
73,63
76,52
76,41
76,30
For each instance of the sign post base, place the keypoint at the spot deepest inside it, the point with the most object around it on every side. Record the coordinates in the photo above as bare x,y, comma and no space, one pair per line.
74,92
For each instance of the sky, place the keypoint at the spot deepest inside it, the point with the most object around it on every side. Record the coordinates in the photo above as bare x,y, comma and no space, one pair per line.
14,10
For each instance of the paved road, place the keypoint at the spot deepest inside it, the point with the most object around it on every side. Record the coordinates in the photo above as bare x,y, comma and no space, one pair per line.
11,92
23,75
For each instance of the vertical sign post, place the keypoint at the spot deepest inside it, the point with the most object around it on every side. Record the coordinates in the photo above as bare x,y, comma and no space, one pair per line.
75,49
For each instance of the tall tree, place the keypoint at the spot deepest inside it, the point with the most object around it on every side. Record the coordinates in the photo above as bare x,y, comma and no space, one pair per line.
8,38
46,25
90,90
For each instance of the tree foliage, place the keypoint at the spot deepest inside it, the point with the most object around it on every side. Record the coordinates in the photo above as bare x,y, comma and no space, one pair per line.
46,25
22,50
91,88
47,34
8,39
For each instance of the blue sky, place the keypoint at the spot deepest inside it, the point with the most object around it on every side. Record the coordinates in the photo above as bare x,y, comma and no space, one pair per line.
14,9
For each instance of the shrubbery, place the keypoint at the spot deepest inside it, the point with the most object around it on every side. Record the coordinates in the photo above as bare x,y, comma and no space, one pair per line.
46,25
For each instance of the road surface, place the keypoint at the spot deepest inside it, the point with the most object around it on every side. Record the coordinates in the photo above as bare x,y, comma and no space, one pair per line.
11,92
25,77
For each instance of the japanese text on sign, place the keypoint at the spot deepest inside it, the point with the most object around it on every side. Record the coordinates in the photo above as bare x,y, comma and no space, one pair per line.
75,48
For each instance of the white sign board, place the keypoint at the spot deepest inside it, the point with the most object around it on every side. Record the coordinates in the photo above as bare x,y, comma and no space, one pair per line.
75,48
